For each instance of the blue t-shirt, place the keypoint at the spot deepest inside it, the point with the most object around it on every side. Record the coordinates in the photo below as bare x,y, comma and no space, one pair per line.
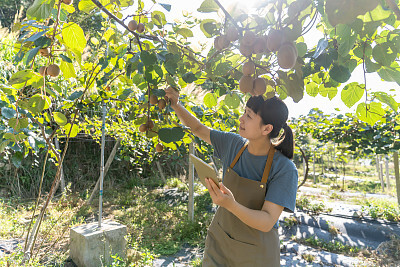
282,180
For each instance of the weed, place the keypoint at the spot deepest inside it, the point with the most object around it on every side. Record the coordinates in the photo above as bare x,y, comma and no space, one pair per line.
308,257
290,221
305,204
332,246
382,209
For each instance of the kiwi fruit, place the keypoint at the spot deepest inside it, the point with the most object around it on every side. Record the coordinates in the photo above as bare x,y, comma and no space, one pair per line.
140,28
44,52
249,38
275,39
249,68
150,124
159,147
260,45
162,104
245,50
260,86
132,25
67,2
217,44
42,70
223,42
143,128
53,70
287,56
232,34
246,84
153,99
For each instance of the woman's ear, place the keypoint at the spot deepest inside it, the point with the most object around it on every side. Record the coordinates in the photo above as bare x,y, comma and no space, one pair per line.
267,129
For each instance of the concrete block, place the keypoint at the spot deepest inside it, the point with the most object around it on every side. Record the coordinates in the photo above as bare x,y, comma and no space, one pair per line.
91,246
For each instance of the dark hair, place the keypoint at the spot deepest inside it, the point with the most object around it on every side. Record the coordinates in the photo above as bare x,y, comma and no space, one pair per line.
275,112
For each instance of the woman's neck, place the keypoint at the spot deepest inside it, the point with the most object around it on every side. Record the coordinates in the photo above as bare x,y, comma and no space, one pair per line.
259,147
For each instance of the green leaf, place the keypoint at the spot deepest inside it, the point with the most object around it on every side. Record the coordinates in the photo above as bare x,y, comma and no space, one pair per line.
370,113
223,68
185,32
208,27
148,58
389,75
74,131
18,124
169,135
166,6
232,101
60,118
329,92
189,77
17,159
312,89
75,95
340,73
158,18
208,6
8,113
40,9
387,99
3,145
210,100
86,6
371,66
65,58
352,93
73,36
383,54
67,69
20,77
38,103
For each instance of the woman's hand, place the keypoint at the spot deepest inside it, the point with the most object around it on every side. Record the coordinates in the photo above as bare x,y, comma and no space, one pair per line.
221,196
173,95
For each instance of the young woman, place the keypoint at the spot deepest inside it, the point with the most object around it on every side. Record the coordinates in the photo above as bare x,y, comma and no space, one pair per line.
259,182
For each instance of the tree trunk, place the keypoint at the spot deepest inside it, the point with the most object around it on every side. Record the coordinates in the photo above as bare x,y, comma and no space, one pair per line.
160,171
62,180
306,172
381,174
191,185
387,173
315,179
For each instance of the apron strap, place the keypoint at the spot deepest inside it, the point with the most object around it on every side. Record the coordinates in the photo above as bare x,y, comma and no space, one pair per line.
238,156
268,165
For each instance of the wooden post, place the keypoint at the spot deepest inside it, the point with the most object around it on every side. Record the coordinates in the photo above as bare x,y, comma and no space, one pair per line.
381,173
313,166
387,172
397,175
62,180
160,171
191,185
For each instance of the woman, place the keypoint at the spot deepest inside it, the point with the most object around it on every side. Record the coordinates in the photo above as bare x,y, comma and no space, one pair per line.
259,182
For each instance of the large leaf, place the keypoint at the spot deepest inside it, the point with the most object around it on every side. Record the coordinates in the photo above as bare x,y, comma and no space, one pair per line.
86,6
20,77
17,159
72,132
210,100
73,36
329,92
185,32
169,135
189,77
208,27
3,145
208,6
387,99
18,124
312,89
67,69
340,73
148,58
390,75
232,101
352,93
383,54
158,18
370,113
8,113
60,118
40,9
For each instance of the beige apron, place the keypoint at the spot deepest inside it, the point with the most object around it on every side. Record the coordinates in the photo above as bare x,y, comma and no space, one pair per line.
230,242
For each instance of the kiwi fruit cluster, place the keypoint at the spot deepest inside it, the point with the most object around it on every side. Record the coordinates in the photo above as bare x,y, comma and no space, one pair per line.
248,84
67,2
133,25
286,50
52,70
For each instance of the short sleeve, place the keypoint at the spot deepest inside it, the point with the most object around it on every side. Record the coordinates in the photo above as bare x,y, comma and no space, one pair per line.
224,142
282,189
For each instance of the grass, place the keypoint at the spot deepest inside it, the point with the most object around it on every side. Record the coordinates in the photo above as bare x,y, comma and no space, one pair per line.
382,209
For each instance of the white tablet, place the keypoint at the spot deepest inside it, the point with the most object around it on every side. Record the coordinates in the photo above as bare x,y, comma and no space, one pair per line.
204,170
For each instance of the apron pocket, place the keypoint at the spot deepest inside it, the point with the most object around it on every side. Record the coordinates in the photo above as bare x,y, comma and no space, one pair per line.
237,253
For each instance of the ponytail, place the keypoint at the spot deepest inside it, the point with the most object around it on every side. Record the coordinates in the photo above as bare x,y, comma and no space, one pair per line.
275,112
286,144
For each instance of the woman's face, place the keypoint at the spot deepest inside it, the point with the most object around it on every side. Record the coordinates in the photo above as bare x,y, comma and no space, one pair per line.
251,125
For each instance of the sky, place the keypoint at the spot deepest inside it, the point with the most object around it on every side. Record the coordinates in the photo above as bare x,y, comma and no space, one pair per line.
303,107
